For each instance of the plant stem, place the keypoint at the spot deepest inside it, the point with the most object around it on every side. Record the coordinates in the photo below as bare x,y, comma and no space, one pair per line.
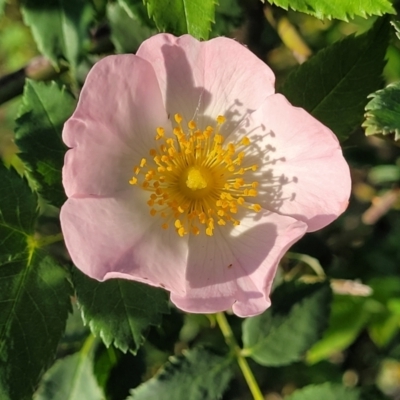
244,366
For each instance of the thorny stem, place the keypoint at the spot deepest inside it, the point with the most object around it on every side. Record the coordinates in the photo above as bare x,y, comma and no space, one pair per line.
244,366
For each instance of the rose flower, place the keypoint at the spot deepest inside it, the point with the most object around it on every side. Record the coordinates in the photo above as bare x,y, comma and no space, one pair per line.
186,171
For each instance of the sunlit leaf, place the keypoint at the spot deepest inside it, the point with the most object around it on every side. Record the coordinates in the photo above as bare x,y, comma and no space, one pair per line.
183,16
334,84
281,335
34,293
197,375
340,9
59,27
44,109
383,112
120,311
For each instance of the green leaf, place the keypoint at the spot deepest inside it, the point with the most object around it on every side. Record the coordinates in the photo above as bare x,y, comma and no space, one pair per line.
118,310
330,391
71,378
348,317
59,27
34,293
137,11
182,16
127,30
326,391
44,109
383,112
2,5
334,84
17,213
296,320
197,375
340,9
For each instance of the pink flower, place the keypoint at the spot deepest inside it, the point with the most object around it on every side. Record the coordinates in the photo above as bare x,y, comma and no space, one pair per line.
187,172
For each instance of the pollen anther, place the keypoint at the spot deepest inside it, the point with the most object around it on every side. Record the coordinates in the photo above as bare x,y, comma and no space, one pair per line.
196,182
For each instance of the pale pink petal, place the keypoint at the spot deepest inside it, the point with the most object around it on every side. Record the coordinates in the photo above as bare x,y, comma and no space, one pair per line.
302,172
202,80
236,266
117,238
113,127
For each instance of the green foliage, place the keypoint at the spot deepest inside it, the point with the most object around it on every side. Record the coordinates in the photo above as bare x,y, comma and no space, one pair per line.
183,16
329,391
60,27
197,375
71,378
281,335
128,31
120,311
44,109
2,5
348,317
340,9
34,293
383,112
334,84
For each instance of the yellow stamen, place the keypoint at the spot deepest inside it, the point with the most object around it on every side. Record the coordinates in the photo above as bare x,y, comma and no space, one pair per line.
196,182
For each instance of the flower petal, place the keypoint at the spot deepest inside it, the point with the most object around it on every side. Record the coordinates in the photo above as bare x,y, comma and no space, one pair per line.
119,109
237,268
117,238
302,173
216,77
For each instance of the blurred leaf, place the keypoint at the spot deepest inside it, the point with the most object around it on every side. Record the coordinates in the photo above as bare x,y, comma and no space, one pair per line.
118,310
60,27
136,10
229,15
348,317
381,174
339,9
44,109
330,391
183,16
384,324
127,31
296,320
197,375
2,4
334,84
34,293
71,378
383,112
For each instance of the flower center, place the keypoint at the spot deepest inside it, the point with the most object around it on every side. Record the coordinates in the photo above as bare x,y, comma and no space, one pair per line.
194,180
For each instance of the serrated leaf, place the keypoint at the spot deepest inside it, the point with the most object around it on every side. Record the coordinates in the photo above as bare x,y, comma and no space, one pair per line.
334,84
34,293
182,16
339,9
296,320
60,27
71,378
43,111
197,375
383,112
118,310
